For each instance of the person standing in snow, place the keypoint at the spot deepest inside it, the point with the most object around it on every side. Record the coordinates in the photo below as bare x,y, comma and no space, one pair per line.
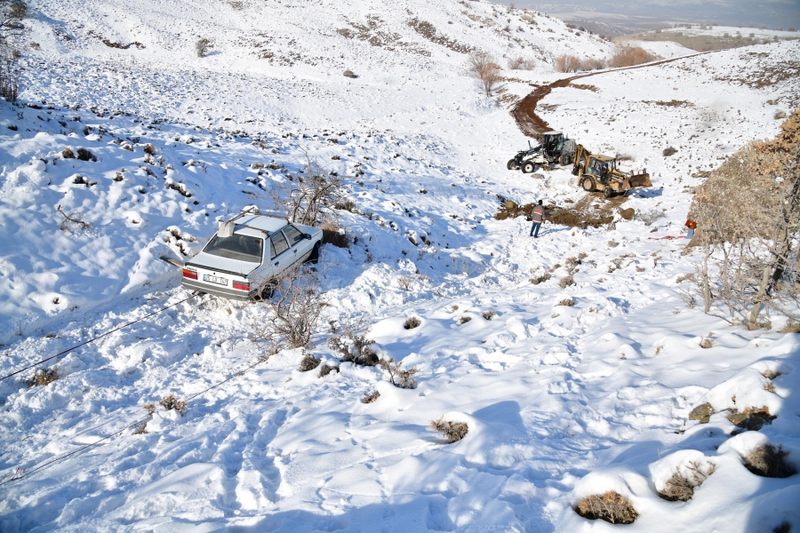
537,217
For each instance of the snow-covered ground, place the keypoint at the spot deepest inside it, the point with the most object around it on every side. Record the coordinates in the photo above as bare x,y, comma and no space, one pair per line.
567,389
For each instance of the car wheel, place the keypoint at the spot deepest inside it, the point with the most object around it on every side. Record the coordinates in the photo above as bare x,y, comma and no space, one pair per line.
512,165
313,257
587,184
268,290
528,168
607,192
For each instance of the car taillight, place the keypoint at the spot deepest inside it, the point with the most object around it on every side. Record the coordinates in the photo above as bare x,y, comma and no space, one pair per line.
191,274
241,285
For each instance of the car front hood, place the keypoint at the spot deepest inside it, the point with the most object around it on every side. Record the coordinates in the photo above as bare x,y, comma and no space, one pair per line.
222,264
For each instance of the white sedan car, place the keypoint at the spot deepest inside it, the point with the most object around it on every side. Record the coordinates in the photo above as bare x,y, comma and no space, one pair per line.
247,252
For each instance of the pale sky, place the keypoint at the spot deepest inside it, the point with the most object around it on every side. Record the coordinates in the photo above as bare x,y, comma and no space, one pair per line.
776,14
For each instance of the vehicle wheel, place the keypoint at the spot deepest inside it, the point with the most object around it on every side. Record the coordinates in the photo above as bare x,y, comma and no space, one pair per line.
268,290
608,193
512,165
313,258
577,170
528,167
564,159
587,184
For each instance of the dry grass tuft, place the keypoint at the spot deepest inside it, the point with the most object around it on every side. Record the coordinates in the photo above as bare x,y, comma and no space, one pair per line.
682,484
412,322
43,376
769,461
536,280
452,431
487,315
170,402
308,362
567,302
706,343
610,506
566,281
370,397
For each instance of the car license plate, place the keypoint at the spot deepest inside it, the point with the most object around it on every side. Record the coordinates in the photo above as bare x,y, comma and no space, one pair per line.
215,279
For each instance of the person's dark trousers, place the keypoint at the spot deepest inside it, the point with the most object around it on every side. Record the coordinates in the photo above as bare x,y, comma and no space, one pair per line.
535,229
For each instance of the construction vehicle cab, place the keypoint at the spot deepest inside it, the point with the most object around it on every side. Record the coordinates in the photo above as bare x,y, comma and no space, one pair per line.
597,172
554,148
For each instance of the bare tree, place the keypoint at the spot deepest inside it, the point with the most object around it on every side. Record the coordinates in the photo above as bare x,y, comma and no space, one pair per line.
748,215
10,26
485,68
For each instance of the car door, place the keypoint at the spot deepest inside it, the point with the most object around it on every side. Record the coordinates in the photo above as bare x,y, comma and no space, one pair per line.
298,244
280,253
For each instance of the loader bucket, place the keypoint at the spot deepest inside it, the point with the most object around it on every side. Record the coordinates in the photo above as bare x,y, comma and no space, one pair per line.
641,180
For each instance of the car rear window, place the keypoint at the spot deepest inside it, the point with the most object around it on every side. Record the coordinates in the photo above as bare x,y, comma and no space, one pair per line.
240,247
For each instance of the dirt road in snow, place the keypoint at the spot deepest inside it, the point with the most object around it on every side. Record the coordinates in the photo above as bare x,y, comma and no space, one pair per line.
533,125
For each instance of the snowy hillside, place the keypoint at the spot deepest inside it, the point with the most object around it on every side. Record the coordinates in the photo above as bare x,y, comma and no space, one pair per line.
574,359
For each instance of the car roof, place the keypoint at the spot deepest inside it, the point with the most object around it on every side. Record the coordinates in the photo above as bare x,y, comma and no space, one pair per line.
258,225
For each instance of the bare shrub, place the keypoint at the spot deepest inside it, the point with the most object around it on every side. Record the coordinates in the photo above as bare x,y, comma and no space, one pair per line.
791,327
568,63
149,149
488,315
565,282
370,397
571,63
43,376
628,56
464,319
610,506
748,220
567,302
536,280
706,343
71,221
356,349
452,431
308,362
312,196
769,461
484,67
398,376
684,481
296,305
67,153
203,46
170,402
668,151
521,63
412,322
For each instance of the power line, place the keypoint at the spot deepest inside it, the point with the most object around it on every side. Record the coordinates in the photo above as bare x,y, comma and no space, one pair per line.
84,343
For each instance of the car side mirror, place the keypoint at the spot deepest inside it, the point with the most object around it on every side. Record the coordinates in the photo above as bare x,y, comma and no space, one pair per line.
306,235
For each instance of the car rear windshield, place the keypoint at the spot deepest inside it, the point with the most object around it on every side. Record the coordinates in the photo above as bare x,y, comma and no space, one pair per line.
241,247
